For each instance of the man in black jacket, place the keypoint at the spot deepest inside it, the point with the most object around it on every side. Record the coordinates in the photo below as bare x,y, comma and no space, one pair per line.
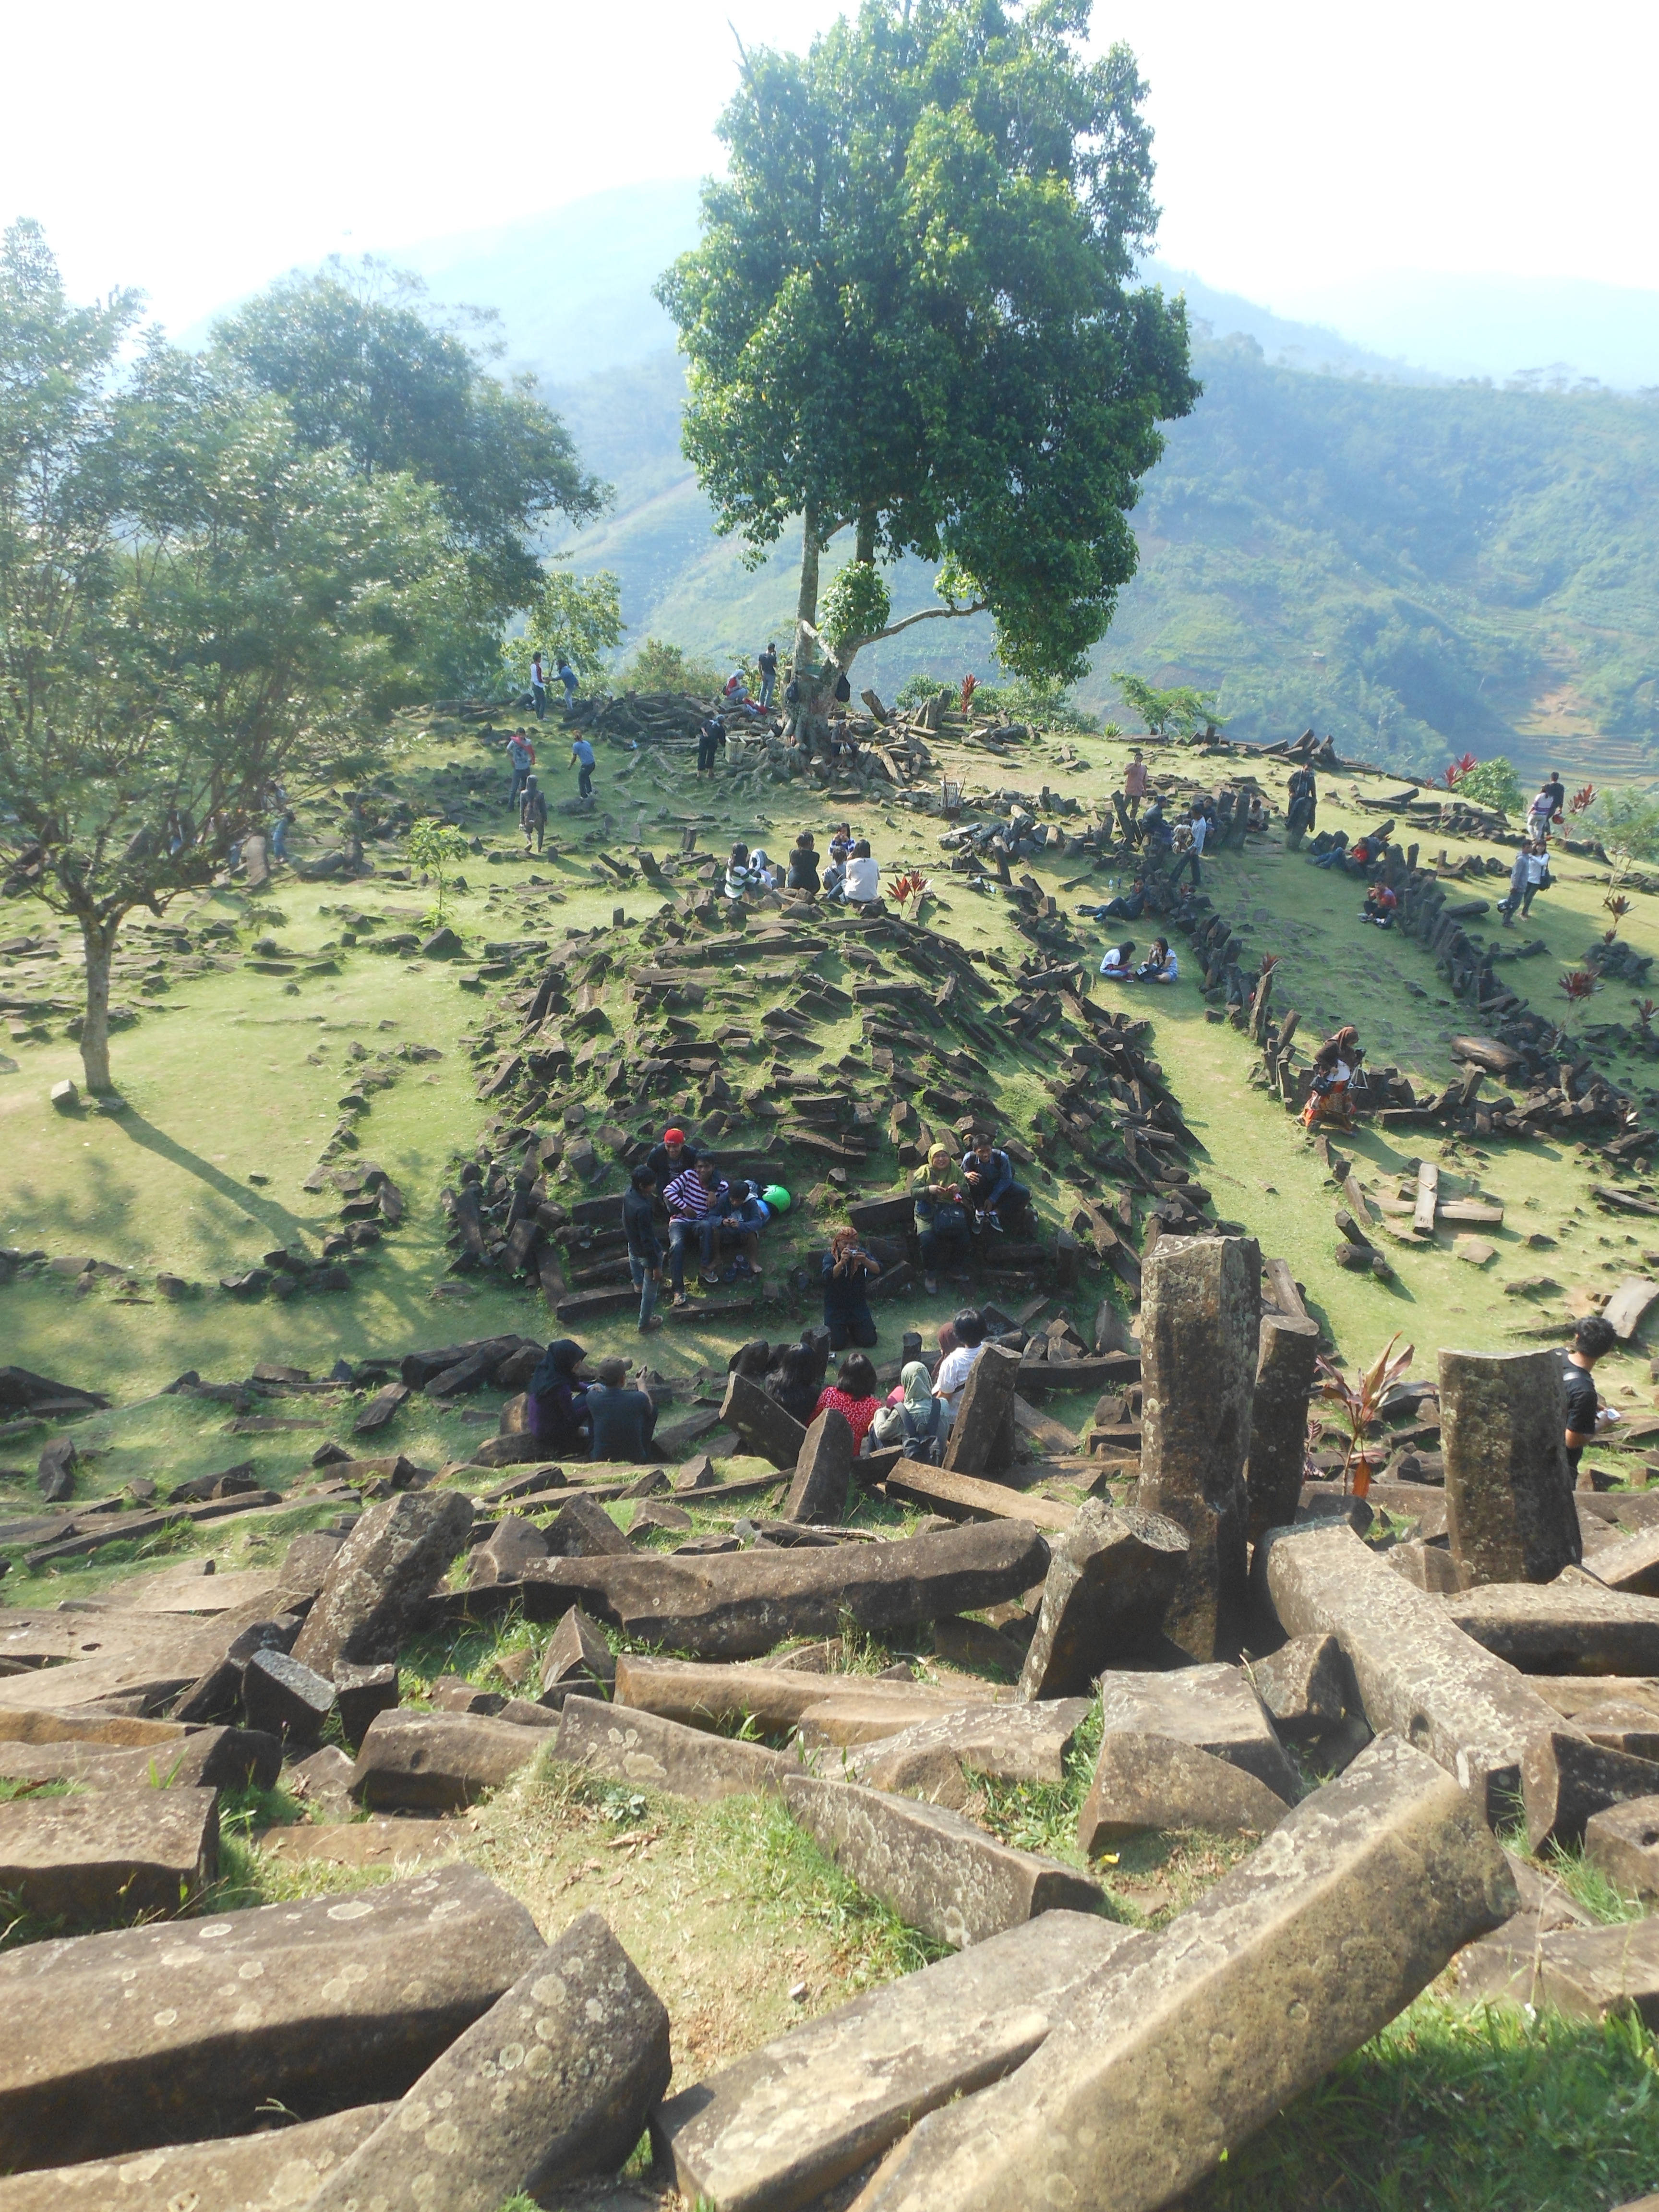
644,1252
622,1419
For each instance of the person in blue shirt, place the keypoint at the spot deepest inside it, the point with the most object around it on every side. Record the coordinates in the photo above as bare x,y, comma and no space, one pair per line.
582,758
567,676
988,1185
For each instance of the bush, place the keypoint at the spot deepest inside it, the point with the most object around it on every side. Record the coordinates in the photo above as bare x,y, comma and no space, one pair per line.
1491,783
917,690
658,667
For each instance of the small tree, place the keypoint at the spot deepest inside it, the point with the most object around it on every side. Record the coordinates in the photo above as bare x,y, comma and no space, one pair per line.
656,666
434,847
1626,821
1491,783
579,616
1180,708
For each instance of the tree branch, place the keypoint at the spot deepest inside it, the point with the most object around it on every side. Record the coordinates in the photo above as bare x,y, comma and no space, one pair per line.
925,614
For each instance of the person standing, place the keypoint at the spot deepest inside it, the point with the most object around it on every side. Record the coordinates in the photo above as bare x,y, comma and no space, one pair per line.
1134,784
520,759
711,735
538,686
532,815
568,678
281,815
1593,1339
1546,808
1302,805
768,667
1198,830
1529,875
582,759
644,1251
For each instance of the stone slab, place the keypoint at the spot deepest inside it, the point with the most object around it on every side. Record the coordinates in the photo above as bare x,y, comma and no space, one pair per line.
775,1698
1630,1564
1111,1577
554,2082
377,1842
1565,1779
823,1472
1415,1671
1145,1782
1587,1974
120,2042
198,1759
1214,1708
968,1497
1624,1841
437,1762
938,1871
1026,1743
394,1556
1305,1685
1187,2041
631,1746
277,2170
775,2130
1573,1626
111,1852
1509,1487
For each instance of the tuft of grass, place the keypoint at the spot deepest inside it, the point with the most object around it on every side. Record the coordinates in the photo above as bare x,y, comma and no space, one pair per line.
1454,2109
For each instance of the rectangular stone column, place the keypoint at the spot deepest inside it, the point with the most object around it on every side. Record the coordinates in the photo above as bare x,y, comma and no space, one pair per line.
1509,1509
1200,1307
1287,1349
982,1435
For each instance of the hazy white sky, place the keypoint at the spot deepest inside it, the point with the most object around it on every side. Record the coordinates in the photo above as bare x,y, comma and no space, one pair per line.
197,150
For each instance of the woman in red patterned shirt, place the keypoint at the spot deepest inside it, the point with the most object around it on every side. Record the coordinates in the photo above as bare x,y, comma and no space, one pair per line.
853,1393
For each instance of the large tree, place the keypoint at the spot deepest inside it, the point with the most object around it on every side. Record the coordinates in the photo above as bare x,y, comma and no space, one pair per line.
369,366
190,599
911,315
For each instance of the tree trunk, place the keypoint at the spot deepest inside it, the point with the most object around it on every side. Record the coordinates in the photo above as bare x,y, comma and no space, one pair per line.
817,684
99,937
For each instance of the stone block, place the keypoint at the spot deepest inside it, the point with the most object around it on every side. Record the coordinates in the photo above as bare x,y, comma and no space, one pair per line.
936,1870
1621,1724
1186,2042
164,2033
1623,1841
981,1441
578,1651
1025,1743
374,1590
767,1430
285,1698
1144,1782
361,1692
201,1759
436,1762
823,1472
1509,1487
1629,1564
1587,1974
778,1696
123,1852
1110,1579
1564,1778
630,1745
1574,1626
583,1530
274,2171
554,2082
1215,1708
1305,1685
1287,1348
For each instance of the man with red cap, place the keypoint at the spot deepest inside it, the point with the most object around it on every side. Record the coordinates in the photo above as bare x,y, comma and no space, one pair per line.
669,1159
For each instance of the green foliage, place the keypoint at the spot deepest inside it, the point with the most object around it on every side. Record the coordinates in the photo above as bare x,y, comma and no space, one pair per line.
658,666
1493,783
855,607
911,312
1176,711
916,690
578,616
1050,706
1626,820
435,846
365,365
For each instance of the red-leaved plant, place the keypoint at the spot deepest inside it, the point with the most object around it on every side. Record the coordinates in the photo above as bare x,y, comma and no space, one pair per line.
1359,1406
1618,906
970,685
909,889
1581,798
1579,985
1458,767
1645,1010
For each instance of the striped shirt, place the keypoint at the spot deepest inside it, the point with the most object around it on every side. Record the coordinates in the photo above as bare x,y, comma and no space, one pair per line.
689,1197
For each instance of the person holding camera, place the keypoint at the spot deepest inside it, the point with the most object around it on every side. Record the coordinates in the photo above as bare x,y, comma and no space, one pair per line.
848,1270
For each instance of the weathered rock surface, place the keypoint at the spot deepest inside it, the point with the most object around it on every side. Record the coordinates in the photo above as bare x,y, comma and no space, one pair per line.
1186,2042
740,1604
1630,1564
1212,1708
937,1871
1584,1972
554,2082
1416,1673
763,1424
981,1438
631,1746
437,1762
1009,1743
274,2171
373,1591
131,1852
153,2035
1199,1337
774,2130
1110,1581
198,1759
1624,1841
1144,1782
1509,1487
1287,1346
284,1699
1564,1778
776,1698
823,1472
1305,1685
1574,1626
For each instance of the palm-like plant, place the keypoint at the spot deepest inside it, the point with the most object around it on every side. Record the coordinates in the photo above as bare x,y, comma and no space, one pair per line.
1581,798
1359,1404
1618,906
970,685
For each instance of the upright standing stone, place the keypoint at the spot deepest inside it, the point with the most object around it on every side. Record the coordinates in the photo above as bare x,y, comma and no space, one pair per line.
1201,1305
1287,1349
763,1424
380,1576
555,2082
1186,2041
980,1440
823,1472
1110,1580
1508,1488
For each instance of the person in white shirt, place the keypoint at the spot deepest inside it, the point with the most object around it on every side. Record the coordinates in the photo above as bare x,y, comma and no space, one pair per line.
1160,965
1117,963
958,1364
1198,828
862,883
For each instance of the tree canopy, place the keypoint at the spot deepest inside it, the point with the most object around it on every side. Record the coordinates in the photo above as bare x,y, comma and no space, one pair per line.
911,314
192,599
368,367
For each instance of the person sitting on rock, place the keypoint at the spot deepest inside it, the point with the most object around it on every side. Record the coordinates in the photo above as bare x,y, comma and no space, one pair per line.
1128,907
793,1377
848,1268
739,1219
941,1218
968,1331
1379,908
852,1396
532,815
672,1158
745,873
803,865
1117,962
989,1186
692,1200
1160,965
918,1424
622,1420
557,1402
861,885
1335,1065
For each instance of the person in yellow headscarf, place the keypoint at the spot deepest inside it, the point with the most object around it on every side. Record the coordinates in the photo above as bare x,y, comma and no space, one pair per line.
941,1217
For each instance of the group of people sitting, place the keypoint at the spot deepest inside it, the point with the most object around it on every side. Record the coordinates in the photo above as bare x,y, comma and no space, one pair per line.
572,1416
851,873
702,1207
955,1203
1160,966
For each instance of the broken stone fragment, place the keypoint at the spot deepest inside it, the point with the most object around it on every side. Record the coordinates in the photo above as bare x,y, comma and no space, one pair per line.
1025,1744
1565,1779
779,2127
1587,1974
765,1427
1508,1488
437,1762
1143,1781
1624,1841
270,2171
374,1592
554,2082
503,1558
120,2041
1305,1685
1573,1626
1213,1708
578,1651
982,1435
284,1699
936,1870
1110,1580
630,1745
823,1472
127,1851
583,1531
1287,1347
1185,2042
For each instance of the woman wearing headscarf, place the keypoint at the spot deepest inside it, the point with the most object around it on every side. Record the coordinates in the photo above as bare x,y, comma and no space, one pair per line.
847,1269
941,1218
1335,1065
918,1421
557,1407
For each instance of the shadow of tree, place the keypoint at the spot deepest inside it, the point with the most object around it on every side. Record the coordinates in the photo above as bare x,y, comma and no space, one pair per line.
271,1211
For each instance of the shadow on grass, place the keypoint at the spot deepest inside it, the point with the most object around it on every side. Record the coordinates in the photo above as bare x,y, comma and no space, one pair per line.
286,1227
